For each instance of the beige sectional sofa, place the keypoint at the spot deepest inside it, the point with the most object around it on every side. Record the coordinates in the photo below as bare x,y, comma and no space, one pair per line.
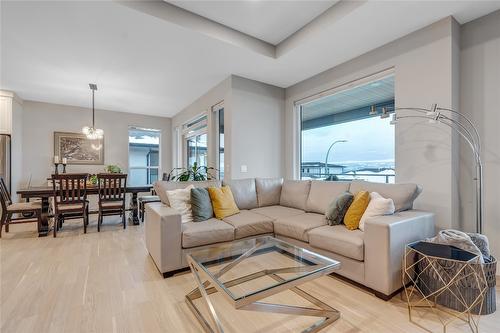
294,211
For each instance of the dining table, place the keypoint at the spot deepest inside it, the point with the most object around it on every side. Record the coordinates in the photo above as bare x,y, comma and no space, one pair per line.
46,192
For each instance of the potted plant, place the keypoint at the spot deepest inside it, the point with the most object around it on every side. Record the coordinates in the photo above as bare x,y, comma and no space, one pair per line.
112,168
194,173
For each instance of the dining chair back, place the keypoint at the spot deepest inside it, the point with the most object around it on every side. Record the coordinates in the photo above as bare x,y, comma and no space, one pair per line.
69,188
5,199
70,198
112,186
112,190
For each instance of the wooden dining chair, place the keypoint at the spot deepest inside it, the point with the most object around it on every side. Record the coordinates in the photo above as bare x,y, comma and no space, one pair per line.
112,188
70,199
9,209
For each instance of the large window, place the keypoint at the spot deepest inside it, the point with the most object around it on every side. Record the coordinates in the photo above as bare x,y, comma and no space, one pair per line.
218,112
196,142
343,136
143,156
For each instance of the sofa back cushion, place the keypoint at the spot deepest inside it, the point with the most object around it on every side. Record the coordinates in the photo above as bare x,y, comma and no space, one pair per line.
161,187
294,193
403,195
244,192
268,191
322,193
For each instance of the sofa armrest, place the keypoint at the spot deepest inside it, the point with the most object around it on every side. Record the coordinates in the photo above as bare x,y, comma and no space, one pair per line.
163,234
385,240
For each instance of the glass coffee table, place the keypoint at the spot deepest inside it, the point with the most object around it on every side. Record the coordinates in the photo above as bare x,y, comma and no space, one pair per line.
247,271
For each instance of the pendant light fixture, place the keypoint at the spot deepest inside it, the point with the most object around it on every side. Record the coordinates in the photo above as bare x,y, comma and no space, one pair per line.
93,133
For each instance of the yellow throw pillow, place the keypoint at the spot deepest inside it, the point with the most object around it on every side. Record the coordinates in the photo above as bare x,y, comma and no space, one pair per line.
356,210
223,201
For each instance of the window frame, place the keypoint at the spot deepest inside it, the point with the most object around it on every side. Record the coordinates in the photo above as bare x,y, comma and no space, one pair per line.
200,125
297,113
147,168
216,116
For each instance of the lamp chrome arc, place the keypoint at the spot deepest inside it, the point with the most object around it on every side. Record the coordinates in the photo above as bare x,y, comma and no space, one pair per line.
328,153
92,132
464,127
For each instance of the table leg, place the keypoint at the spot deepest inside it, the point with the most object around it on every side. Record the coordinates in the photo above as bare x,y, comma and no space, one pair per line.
134,216
44,227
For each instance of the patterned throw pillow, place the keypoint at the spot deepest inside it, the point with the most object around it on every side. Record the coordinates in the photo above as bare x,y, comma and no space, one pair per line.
356,210
201,205
338,207
223,202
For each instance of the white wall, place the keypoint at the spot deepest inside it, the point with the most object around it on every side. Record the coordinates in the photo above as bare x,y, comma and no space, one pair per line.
17,148
480,99
253,127
41,120
425,70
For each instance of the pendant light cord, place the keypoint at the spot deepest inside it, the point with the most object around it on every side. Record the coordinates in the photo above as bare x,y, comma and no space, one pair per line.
93,111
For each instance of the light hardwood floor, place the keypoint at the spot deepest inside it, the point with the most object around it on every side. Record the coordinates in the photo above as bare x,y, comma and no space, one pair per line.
106,282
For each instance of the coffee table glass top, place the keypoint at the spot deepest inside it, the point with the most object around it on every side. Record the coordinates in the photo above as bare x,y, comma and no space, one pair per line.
248,267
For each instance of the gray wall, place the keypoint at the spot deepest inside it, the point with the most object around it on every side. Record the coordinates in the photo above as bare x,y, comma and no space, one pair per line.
203,105
425,72
41,120
480,99
253,127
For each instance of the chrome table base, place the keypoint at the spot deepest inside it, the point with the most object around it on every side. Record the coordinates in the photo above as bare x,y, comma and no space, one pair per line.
252,302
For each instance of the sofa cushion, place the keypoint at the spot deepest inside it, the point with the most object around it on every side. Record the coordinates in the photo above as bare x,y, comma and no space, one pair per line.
248,223
206,232
322,193
297,226
162,186
244,192
294,193
268,191
338,239
276,212
403,195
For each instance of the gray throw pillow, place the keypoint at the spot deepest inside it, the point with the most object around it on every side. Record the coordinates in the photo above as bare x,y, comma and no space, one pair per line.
201,205
338,207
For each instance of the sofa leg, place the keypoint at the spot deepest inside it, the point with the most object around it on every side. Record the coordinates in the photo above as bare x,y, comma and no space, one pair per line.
172,273
382,296
385,297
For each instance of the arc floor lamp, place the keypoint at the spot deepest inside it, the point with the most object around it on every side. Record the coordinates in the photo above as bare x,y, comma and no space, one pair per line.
459,123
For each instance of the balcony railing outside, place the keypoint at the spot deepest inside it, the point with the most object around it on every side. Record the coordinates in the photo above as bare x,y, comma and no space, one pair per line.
379,178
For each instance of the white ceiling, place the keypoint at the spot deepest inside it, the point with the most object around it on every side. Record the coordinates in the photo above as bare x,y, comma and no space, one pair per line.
270,21
141,63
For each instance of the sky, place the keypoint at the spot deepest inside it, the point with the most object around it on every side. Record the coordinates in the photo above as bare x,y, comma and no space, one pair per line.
368,139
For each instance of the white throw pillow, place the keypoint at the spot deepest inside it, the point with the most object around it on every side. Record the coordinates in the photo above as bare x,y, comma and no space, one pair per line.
180,200
377,206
